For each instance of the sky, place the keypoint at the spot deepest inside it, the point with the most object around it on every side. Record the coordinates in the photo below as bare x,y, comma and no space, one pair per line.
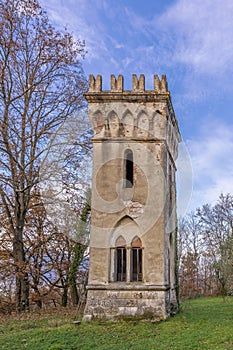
191,42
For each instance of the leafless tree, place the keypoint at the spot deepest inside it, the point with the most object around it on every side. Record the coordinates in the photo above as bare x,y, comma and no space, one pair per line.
41,84
190,249
205,251
217,230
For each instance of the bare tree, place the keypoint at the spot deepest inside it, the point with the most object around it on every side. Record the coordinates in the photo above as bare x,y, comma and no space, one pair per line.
41,85
190,243
217,230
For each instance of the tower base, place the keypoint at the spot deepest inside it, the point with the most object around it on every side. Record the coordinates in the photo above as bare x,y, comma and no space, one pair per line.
121,301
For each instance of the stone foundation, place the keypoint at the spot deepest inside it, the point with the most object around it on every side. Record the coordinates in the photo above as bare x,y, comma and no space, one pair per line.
137,302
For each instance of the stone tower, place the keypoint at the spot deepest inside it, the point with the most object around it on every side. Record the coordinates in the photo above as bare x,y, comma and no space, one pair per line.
133,218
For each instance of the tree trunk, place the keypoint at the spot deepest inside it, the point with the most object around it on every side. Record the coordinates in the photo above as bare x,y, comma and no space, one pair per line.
37,298
74,294
22,280
64,300
22,292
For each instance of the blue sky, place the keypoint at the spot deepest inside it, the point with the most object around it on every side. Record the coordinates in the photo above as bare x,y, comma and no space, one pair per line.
188,40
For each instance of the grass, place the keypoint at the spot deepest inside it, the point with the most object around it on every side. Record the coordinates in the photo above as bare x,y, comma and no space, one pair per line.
205,323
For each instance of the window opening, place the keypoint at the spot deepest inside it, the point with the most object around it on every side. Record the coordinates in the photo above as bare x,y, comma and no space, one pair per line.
136,260
121,264
129,169
120,259
136,264
170,183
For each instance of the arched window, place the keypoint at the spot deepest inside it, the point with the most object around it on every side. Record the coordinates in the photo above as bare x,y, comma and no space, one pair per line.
136,260
120,259
126,252
128,168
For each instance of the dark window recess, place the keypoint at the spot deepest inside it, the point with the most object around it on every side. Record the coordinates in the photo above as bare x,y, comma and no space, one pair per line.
129,169
136,264
121,264
170,184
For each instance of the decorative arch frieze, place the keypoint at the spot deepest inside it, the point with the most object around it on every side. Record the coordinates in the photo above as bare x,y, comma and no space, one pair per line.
128,124
143,124
158,125
98,124
113,124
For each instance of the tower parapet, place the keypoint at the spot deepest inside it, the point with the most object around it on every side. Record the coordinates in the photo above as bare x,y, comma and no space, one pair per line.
117,84
95,84
129,121
138,84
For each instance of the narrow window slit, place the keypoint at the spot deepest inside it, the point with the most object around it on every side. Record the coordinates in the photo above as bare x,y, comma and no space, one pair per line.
128,169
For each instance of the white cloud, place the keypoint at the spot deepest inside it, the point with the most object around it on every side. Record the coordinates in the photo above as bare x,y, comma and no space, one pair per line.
193,40
203,33
194,33
212,162
81,18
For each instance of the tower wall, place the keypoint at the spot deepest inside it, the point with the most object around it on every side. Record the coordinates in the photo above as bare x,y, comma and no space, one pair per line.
133,220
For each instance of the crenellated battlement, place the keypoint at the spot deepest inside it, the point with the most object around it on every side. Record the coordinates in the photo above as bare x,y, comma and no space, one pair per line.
117,84
138,84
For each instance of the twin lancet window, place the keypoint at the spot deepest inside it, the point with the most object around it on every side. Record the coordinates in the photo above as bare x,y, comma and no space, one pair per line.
131,256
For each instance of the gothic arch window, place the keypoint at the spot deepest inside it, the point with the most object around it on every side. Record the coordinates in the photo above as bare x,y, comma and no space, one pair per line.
128,171
126,252
120,259
136,260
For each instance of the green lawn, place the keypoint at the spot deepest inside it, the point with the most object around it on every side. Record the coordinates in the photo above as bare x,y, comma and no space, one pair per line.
202,324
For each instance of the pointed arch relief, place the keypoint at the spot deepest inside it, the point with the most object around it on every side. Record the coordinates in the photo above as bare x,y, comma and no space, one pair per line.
128,124
143,125
127,228
120,242
114,124
136,242
158,125
98,124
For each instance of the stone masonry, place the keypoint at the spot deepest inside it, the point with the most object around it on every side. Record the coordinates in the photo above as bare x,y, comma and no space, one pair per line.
133,217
